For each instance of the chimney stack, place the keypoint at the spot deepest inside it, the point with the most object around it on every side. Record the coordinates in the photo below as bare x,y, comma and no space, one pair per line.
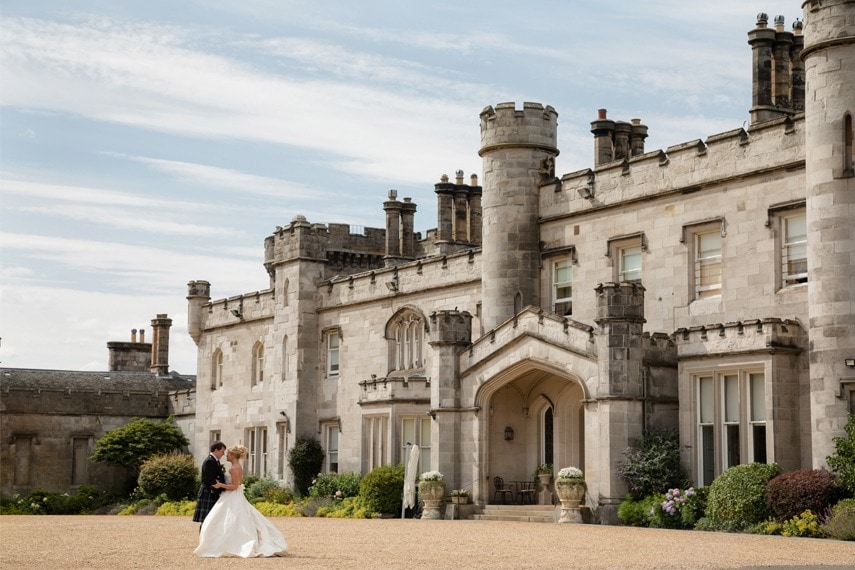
160,344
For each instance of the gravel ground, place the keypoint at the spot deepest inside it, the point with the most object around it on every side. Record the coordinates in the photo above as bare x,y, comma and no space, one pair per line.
167,542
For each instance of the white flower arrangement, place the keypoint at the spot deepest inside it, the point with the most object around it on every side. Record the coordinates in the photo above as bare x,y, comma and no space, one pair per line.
431,476
460,493
570,473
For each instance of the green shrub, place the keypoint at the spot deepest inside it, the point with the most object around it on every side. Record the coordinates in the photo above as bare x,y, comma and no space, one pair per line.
769,526
805,524
269,509
693,510
87,499
336,485
173,475
841,521
677,508
179,508
652,464
382,490
280,495
637,513
737,498
305,460
350,508
259,487
795,492
842,462
309,507
136,441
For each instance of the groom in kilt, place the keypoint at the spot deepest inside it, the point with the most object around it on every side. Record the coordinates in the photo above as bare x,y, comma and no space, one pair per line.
212,472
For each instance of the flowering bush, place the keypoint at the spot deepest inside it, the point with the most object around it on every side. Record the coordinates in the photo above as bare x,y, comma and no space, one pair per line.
431,476
543,469
805,524
570,473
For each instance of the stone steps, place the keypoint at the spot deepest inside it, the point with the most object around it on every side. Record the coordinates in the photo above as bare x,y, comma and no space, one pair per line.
518,513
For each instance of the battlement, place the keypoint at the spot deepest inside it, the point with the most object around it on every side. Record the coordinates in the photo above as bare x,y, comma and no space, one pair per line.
740,337
346,252
687,167
535,126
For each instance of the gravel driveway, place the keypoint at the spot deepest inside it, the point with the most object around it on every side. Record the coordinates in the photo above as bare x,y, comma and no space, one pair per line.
93,542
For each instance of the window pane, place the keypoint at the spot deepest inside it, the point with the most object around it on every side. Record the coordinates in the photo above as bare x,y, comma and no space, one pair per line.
731,398
758,435
562,288
408,431
794,250
707,400
630,263
732,442
708,264
707,456
758,397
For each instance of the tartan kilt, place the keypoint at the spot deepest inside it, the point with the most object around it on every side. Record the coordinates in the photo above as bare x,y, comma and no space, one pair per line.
204,503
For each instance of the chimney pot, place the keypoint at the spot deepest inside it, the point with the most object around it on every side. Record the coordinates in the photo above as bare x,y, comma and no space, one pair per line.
142,335
601,114
133,335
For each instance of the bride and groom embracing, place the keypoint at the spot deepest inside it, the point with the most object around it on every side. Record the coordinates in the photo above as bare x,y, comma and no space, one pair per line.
231,526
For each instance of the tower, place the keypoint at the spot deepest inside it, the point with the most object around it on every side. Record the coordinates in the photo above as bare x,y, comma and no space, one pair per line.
518,150
829,67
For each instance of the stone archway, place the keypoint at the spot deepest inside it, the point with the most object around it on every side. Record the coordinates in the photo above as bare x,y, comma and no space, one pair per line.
517,434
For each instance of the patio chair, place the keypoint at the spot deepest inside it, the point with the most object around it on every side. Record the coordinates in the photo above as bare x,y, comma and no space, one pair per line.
502,489
527,492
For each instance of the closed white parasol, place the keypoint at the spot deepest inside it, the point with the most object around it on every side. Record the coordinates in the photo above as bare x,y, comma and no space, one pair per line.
410,472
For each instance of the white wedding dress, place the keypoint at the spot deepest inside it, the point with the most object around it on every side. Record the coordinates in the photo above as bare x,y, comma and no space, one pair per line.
235,528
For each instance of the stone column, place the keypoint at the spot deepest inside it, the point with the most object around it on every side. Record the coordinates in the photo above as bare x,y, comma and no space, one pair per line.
450,332
618,410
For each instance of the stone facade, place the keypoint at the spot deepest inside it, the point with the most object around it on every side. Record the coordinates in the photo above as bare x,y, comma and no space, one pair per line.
51,419
705,287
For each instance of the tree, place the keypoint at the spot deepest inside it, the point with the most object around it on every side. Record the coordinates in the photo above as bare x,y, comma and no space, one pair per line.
305,460
842,462
133,443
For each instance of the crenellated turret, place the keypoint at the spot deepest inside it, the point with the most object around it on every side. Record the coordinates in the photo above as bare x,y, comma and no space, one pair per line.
518,148
829,60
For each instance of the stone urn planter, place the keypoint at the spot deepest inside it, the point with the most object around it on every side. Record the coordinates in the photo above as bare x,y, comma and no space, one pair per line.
571,493
433,495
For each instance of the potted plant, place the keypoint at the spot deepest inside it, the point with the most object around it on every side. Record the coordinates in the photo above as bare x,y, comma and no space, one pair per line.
460,496
432,492
570,486
544,473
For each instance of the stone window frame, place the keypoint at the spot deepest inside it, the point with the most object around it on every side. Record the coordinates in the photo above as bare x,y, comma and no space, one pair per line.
331,430
375,437
553,257
776,217
718,425
257,378
406,334
258,450
848,146
421,431
615,248
327,334
217,359
690,237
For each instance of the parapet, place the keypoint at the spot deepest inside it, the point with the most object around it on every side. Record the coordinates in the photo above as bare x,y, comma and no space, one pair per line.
535,126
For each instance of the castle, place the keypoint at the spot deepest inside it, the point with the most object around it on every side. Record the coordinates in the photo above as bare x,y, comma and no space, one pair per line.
708,287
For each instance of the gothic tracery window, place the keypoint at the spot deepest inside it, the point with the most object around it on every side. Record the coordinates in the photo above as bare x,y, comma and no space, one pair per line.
406,335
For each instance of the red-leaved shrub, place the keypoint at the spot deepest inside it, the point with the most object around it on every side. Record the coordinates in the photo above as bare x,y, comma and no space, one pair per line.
792,493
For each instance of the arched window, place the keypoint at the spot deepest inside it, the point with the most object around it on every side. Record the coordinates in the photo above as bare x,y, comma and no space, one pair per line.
405,332
257,364
217,369
848,146
284,358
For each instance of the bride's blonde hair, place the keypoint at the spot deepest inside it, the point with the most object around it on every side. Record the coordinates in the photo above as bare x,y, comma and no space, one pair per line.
238,451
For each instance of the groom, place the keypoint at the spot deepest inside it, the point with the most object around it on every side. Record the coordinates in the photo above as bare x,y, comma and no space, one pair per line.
212,472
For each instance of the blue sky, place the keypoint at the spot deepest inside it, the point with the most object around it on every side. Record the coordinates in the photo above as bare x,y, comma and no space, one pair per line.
147,144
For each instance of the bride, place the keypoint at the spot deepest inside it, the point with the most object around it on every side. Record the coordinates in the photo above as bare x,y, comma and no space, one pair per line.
234,527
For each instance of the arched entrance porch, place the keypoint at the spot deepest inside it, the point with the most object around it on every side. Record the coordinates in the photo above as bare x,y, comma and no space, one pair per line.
535,416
